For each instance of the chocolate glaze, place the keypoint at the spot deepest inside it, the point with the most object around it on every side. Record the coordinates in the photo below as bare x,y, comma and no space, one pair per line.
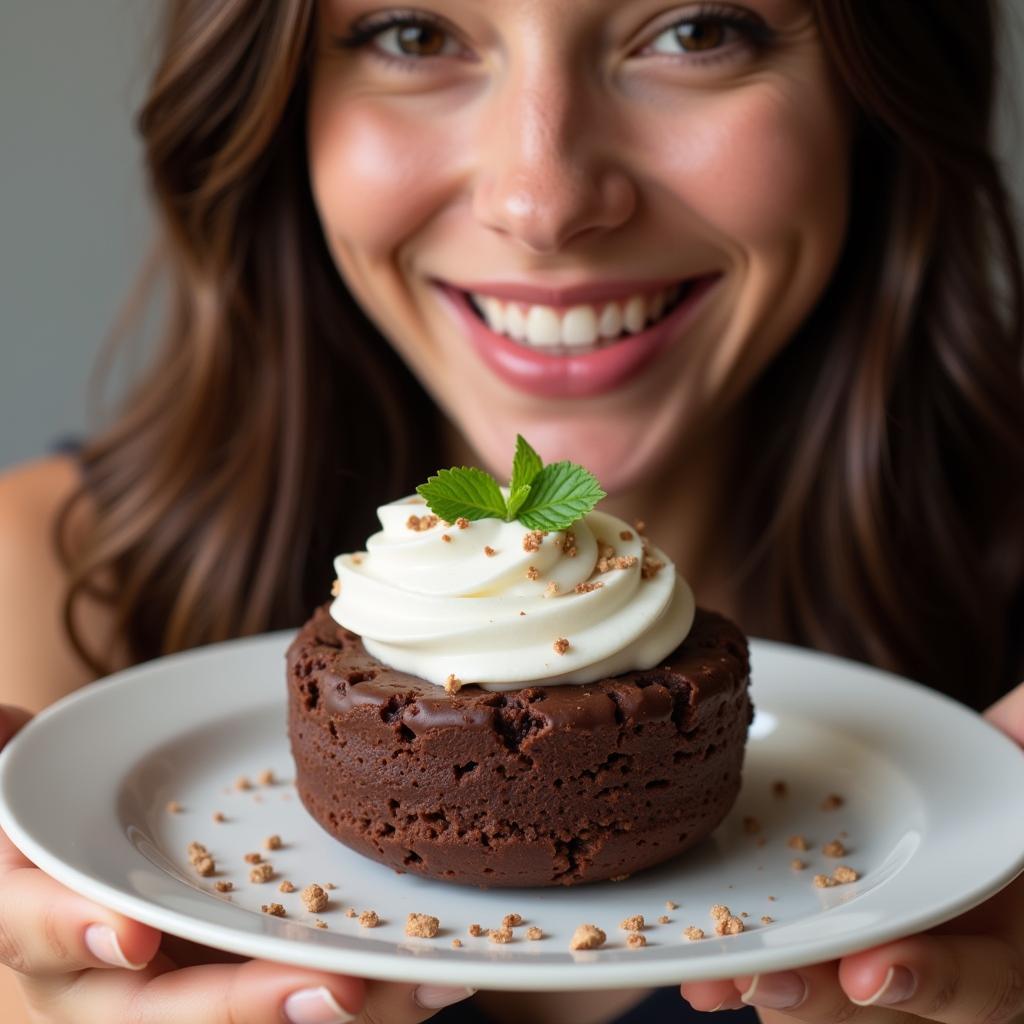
539,786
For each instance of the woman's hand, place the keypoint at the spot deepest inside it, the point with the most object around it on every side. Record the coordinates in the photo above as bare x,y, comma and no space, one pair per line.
967,971
82,964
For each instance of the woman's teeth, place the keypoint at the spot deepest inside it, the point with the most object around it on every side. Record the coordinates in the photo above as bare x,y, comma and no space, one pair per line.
576,328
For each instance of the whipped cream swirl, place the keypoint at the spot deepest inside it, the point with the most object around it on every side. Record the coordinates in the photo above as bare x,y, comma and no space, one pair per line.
489,604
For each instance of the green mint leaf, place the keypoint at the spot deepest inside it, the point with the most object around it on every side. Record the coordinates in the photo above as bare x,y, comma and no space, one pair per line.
526,464
515,500
463,491
559,494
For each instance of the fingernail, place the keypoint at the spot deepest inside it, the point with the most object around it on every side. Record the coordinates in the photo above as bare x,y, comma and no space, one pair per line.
103,943
726,1004
780,991
315,1006
899,985
433,997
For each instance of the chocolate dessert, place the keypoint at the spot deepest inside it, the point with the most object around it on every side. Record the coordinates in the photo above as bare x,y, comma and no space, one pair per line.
538,786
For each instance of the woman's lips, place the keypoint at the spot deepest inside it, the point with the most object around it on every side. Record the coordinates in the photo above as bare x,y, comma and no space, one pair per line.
536,372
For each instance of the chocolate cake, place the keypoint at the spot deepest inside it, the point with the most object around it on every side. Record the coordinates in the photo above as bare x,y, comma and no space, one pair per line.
545,785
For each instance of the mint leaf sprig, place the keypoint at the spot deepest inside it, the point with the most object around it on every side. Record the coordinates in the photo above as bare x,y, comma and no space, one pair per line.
541,497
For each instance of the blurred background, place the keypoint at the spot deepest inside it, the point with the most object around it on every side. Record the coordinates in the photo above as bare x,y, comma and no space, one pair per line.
74,227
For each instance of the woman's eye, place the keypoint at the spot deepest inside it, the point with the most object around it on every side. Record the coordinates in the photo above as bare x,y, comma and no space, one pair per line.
416,39
705,34
404,37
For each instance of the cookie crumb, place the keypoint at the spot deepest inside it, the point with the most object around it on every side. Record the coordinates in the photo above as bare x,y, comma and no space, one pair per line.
797,843
618,878
771,899
844,874
534,933
336,588
650,568
743,913
587,936
779,788
765,919
823,882
196,851
489,551
729,926
639,525
369,919
625,534
797,865
669,905
834,849
664,919
452,684
511,920
253,858
532,540
350,912
223,886
456,943
588,587
532,572
422,926
693,933
242,783
274,909
561,645
501,935
551,590
204,866
421,523
261,873
633,924
314,899
751,825
286,886
218,817
446,538
635,940
272,843
266,777
319,924
719,912
462,523
173,807
569,544
475,930
330,885
832,802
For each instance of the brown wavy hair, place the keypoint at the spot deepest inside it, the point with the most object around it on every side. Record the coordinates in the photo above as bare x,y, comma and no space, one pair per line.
880,515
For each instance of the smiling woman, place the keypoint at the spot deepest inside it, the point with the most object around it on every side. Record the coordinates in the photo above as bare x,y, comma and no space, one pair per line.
573,171
751,263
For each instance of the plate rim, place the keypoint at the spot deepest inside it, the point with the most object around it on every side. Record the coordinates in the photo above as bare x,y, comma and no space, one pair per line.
272,942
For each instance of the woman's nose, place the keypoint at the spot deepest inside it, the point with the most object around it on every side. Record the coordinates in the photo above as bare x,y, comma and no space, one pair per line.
548,173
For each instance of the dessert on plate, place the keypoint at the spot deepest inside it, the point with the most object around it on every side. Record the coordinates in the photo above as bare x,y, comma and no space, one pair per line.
512,688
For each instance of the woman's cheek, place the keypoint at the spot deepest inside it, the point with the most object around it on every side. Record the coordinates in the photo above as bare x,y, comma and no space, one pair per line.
759,170
377,176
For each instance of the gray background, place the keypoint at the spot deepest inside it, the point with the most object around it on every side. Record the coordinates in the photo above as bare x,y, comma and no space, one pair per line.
73,218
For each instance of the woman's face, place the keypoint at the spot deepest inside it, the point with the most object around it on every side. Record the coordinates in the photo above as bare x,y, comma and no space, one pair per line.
591,222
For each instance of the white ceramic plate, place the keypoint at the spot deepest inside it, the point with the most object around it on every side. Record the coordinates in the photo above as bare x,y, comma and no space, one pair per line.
933,820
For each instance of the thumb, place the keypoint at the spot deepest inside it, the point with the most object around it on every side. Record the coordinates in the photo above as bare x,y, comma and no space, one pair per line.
399,1003
1007,714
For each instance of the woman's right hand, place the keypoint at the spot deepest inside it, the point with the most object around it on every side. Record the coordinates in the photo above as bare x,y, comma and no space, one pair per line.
79,963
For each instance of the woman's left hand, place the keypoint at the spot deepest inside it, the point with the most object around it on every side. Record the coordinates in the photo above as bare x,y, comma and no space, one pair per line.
967,971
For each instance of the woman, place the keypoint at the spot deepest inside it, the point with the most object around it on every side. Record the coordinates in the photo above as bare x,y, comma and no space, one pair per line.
828,439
